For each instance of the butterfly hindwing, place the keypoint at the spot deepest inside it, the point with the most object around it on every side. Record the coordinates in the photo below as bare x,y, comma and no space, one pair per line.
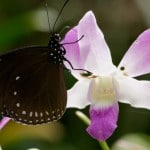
33,88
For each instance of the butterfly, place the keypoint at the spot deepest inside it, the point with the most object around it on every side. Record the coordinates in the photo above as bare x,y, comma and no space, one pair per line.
32,85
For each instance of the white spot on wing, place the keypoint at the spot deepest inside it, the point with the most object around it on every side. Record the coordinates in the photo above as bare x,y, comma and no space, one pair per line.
24,112
47,113
36,114
18,104
54,117
53,112
18,77
41,114
30,121
31,113
15,92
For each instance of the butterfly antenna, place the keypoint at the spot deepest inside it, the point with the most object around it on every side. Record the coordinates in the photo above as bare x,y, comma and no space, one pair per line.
73,41
60,12
50,30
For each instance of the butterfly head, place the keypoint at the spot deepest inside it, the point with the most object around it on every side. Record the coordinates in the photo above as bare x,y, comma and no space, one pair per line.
56,37
54,41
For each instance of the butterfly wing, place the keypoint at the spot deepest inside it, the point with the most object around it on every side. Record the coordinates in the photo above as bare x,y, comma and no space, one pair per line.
32,89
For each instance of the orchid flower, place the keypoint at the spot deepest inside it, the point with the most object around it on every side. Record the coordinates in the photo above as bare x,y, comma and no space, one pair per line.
108,84
3,122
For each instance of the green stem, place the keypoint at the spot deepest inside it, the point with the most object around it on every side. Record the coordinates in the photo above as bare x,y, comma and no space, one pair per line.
104,145
87,121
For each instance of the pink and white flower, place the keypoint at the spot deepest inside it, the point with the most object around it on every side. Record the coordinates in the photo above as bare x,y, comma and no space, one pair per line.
108,84
3,122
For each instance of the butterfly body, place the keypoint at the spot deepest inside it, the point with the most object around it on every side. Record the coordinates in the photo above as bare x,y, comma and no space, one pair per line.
32,86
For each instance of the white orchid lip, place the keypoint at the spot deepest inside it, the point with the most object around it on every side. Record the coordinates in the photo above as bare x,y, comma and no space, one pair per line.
103,91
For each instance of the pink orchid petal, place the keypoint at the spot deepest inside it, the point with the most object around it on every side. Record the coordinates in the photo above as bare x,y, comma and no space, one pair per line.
137,59
72,50
134,92
93,49
73,53
91,52
4,121
103,122
77,95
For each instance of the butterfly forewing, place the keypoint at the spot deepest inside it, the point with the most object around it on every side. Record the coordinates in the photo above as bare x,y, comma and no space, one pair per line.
33,88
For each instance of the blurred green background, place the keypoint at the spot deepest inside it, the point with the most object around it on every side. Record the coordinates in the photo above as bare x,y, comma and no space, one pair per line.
24,23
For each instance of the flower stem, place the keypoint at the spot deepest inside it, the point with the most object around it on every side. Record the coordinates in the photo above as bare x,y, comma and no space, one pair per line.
104,145
83,117
86,120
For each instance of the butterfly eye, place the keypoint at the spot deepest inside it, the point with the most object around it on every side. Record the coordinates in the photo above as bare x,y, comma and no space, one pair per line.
57,37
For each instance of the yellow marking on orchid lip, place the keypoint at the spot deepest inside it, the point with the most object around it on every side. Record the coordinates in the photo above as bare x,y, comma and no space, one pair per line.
92,76
125,74
88,76
103,90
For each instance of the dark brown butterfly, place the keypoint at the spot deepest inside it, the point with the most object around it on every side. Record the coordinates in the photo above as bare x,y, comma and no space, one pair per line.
32,86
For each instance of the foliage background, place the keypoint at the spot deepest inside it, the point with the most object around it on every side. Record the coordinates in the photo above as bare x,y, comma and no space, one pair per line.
22,25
